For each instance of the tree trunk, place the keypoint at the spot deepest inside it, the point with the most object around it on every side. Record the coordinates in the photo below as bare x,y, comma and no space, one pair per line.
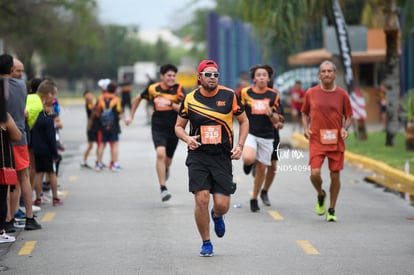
409,137
392,66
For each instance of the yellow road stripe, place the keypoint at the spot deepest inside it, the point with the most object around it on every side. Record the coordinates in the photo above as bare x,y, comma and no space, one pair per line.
307,247
48,216
27,248
73,178
64,194
275,215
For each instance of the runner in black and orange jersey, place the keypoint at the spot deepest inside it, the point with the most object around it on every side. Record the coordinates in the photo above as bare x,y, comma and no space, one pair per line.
271,170
109,111
210,110
167,96
261,103
126,88
92,127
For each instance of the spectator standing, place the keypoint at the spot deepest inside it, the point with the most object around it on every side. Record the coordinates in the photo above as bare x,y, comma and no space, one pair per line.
109,111
18,69
297,95
210,109
44,145
34,107
91,128
16,106
382,103
328,108
9,132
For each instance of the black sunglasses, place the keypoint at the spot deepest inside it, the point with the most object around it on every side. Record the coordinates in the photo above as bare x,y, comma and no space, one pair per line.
207,74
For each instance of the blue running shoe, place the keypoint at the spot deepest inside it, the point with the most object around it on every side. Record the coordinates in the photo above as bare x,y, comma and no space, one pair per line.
206,249
219,226
19,215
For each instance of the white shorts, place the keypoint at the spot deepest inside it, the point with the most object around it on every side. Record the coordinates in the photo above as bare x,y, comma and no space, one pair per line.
263,147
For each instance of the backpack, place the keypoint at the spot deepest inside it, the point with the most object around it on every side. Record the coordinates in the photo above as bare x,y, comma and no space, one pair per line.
107,117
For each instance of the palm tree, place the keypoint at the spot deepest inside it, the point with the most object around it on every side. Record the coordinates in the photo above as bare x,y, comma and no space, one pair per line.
390,21
287,21
392,65
408,104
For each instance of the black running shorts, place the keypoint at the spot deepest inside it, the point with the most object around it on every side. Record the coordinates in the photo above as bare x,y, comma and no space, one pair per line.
167,139
210,172
44,164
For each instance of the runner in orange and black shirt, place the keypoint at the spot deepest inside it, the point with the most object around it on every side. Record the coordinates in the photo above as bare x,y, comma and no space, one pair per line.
126,89
261,103
92,127
109,133
166,96
210,109
271,170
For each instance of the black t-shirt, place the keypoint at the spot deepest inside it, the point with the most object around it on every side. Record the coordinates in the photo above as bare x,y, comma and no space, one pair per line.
163,117
211,117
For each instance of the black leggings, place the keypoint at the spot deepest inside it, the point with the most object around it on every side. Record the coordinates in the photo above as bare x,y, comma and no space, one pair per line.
3,206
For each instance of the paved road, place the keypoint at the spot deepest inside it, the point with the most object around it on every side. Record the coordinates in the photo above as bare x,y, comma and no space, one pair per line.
115,223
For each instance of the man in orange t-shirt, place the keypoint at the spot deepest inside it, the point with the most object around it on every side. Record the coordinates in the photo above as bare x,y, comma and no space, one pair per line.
328,109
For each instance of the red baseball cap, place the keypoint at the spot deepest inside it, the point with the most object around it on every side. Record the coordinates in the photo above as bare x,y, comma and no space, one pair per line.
206,63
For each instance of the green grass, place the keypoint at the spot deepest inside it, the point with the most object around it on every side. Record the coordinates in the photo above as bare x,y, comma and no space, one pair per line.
374,148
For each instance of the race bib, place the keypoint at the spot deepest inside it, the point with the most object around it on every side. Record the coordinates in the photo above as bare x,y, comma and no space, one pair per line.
260,106
210,134
329,136
162,104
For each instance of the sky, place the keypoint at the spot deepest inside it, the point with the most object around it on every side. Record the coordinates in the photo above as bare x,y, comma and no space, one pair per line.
150,14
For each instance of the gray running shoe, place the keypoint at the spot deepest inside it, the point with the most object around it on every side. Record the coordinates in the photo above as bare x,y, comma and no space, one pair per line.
265,198
165,195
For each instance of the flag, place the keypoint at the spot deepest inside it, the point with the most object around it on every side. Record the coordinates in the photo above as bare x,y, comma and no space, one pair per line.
357,100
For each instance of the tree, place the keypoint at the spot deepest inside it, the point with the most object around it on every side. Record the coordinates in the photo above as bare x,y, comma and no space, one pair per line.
44,26
392,66
161,52
288,19
386,13
118,46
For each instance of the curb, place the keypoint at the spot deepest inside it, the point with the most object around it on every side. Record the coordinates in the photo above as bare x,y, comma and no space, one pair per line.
71,101
384,174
